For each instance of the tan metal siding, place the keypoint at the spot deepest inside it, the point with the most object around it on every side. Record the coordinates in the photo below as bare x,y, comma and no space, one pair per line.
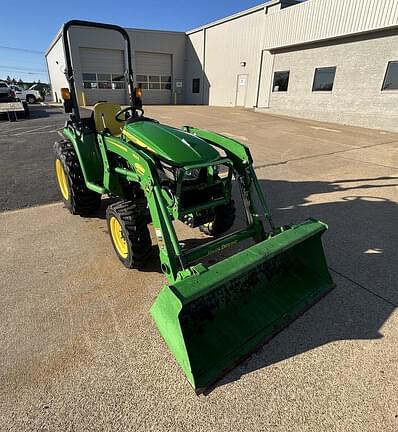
266,77
56,66
194,69
323,19
227,45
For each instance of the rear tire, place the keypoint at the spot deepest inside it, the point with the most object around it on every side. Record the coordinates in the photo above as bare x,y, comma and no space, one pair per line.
127,226
224,219
78,199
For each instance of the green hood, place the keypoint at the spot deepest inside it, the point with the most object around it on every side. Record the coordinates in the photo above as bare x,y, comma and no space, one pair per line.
174,145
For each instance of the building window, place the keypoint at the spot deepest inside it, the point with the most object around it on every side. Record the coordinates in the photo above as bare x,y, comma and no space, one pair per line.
281,81
391,78
196,85
103,81
154,82
324,79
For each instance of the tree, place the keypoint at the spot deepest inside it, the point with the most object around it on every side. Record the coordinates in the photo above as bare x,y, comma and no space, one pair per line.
20,81
8,79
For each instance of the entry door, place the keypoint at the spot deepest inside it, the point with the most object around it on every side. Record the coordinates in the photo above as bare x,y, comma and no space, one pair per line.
241,90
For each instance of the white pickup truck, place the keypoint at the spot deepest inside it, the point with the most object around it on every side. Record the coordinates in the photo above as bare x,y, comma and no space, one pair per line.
11,105
30,96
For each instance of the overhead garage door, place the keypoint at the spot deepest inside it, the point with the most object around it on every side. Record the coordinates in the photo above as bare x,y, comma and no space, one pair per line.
102,75
153,73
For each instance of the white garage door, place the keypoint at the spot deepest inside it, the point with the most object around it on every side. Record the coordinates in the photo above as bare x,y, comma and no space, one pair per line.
153,74
102,75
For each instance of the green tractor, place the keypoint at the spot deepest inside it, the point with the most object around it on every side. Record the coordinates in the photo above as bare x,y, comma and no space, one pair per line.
210,315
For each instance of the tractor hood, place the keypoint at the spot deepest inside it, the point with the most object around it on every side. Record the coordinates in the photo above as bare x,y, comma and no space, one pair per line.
173,145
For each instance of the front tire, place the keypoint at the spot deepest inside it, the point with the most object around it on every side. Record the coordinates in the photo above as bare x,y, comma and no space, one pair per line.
30,99
224,218
78,199
127,226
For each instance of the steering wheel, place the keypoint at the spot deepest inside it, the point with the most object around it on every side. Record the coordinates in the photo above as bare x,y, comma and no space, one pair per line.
133,113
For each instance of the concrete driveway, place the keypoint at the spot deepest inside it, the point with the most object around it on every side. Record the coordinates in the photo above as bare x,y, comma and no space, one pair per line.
79,352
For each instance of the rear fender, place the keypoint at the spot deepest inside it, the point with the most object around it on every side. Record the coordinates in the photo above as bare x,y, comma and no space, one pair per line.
87,151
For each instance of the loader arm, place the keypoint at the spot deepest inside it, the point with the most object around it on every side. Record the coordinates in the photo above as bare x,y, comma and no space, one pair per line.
243,162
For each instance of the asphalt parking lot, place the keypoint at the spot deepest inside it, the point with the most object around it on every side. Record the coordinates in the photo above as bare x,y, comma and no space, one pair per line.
78,349
26,160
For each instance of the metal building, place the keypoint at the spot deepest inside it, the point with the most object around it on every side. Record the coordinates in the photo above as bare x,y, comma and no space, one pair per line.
97,58
332,60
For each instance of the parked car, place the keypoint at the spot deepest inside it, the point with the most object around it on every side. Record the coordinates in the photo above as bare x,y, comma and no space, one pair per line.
42,88
10,105
30,96
6,91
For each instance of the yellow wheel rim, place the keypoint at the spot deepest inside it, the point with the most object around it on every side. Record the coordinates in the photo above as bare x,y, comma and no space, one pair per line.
62,179
118,237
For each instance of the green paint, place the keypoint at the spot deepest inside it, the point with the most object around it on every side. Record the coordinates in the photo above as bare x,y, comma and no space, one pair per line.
213,320
170,144
209,317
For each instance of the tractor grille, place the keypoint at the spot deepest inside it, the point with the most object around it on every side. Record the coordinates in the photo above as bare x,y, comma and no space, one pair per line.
193,198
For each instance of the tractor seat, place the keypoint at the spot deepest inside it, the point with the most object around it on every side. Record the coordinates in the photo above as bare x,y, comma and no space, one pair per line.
104,118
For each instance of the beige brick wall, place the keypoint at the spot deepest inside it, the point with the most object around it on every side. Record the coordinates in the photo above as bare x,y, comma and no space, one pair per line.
356,98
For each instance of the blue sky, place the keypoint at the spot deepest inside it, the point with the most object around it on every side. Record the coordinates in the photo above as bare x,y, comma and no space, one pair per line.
36,23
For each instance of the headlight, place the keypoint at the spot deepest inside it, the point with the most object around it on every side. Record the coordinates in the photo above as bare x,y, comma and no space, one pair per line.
222,171
167,172
192,174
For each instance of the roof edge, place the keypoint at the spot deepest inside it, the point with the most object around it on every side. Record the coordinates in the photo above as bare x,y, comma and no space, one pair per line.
54,41
235,16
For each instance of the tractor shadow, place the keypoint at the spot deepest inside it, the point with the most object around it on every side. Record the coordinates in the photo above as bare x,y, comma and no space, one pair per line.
360,247
101,212
152,265
38,111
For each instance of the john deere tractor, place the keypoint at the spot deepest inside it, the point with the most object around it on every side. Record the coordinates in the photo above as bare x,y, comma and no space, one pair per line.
210,315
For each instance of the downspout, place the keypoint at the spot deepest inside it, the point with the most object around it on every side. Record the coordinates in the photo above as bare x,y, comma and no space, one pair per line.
203,65
261,59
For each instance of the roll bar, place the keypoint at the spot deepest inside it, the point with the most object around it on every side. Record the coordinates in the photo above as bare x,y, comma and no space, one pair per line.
128,73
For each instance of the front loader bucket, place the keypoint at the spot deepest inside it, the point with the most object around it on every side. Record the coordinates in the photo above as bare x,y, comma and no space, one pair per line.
212,320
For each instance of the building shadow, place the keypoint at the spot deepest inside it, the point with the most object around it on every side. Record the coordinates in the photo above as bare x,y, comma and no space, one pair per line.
195,94
360,246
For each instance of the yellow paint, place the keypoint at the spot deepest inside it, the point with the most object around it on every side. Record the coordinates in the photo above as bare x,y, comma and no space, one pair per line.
140,169
118,237
62,179
120,146
65,93
137,141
